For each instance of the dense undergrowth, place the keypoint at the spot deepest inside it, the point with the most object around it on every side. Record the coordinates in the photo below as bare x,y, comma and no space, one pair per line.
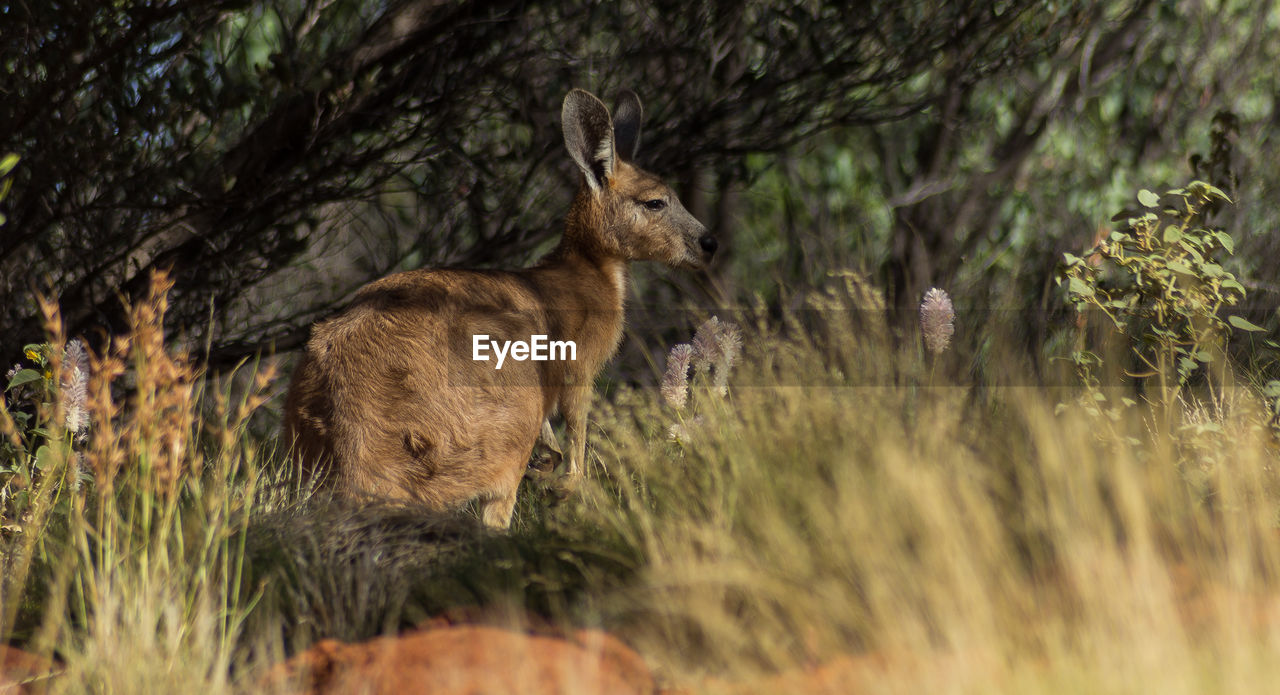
844,490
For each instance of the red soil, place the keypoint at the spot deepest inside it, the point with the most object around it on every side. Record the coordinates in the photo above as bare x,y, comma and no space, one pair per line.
24,673
470,660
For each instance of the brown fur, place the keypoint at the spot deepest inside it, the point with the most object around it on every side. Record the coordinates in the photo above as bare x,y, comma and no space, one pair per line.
388,402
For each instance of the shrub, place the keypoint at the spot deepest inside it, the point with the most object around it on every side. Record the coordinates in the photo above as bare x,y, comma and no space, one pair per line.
1160,283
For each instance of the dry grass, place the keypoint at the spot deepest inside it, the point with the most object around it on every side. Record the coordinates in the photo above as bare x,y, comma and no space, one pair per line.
900,537
128,548
982,543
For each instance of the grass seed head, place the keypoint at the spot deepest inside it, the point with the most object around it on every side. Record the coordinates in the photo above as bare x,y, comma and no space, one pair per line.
675,383
937,320
716,347
75,386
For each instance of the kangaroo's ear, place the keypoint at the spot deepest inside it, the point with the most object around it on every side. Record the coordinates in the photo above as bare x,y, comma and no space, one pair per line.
626,124
588,134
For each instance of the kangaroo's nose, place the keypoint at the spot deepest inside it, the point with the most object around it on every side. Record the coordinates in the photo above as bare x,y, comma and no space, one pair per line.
708,244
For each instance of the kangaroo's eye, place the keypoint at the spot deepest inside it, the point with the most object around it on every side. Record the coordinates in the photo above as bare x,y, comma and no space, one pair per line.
656,204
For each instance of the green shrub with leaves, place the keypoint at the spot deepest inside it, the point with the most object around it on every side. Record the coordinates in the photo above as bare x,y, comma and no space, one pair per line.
1160,283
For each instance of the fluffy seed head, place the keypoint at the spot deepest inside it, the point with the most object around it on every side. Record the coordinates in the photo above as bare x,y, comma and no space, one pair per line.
717,345
75,386
937,320
675,383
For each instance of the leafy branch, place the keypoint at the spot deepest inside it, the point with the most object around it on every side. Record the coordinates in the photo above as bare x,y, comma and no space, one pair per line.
1160,283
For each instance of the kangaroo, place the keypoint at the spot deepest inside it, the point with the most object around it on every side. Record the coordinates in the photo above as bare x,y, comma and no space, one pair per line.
408,394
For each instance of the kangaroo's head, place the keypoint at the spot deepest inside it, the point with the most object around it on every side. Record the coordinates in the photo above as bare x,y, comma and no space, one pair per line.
623,211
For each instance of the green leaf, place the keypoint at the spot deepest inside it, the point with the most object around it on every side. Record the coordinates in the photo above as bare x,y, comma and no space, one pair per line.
8,163
1230,283
1148,199
1079,287
1071,259
1244,325
1227,242
1172,235
1215,192
44,457
24,376
1180,267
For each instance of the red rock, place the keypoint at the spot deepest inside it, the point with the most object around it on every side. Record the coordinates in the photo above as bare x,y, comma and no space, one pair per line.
24,673
470,660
